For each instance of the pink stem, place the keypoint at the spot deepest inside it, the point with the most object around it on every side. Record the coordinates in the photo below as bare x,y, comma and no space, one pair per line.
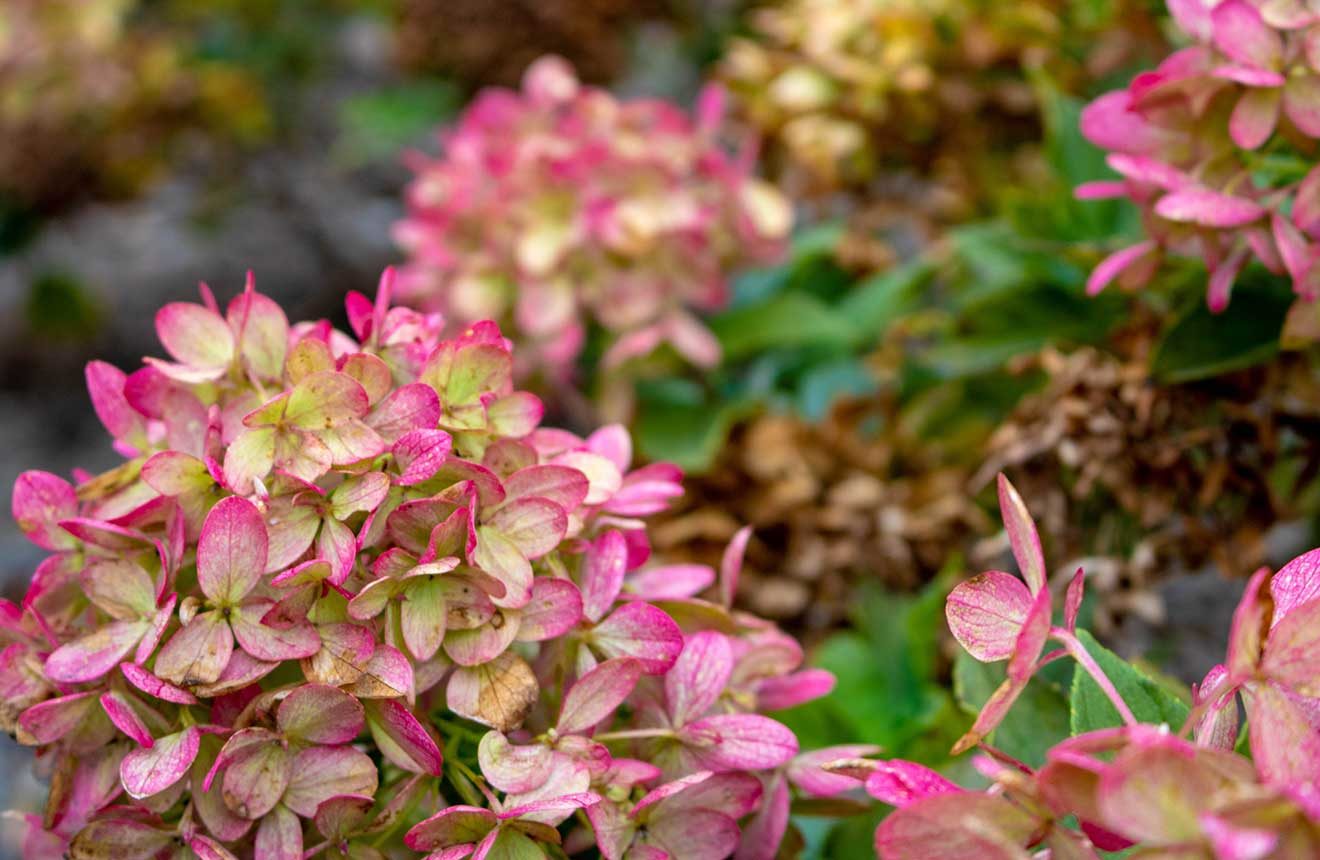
1087,662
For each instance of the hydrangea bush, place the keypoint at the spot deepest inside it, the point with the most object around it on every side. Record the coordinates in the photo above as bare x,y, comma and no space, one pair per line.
1216,146
346,598
560,207
1160,780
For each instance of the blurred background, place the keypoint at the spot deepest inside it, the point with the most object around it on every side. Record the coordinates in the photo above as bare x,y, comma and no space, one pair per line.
927,327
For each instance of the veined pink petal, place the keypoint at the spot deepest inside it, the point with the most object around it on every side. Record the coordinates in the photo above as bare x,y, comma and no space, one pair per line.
262,332
268,643
1022,536
512,768
764,833
1296,584
565,486
52,719
984,826
1285,740
255,778
732,794
1208,208
197,653
534,525
420,454
602,571
387,675
1155,793
401,737
555,608
279,836
642,631
697,834
154,686
671,581
195,336
807,771
324,400
231,553
902,783
698,677
320,714
986,614
731,564
597,694
121,713
410,407
40,502
789,691
320,773
456,825
105,384
1031,641
501,558
739,742
92,656
119,837
1247,634
148,771
499,693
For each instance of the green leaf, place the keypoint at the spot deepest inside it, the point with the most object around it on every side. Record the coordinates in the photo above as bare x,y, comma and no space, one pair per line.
688,434
876,302
1037,721
887,692
1202,344
786,319
1149,701
375,126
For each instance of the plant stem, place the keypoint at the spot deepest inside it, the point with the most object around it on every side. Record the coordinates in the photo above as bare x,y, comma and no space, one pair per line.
634,733
1087,662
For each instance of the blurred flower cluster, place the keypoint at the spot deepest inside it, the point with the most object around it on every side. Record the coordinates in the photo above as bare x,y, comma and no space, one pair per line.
844,86
559,207
1162,780
345,595
89,101
1216,144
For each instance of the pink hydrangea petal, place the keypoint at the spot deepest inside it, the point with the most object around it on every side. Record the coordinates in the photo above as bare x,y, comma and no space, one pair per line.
597,694
739,742
807,771
92,656
279,836
402,738
1241,33
268,643
1246,634
320,773
986,614
1193,18
1301,103
602,571
534,525
40,502
1254,117
231,552
956,825
555,608
198,653
698,676
797,688
1208,208
903,783
154,686
145,772
513,768
641,631
195,336
501,558
671,581
1022,536
121,713
731,564
410,407
696,834
1296,584
320,714
453,826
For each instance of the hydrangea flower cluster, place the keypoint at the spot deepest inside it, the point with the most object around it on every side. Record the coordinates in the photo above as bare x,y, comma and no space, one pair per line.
838,82
346,598
1167,791
559,206
1199,141
89,99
